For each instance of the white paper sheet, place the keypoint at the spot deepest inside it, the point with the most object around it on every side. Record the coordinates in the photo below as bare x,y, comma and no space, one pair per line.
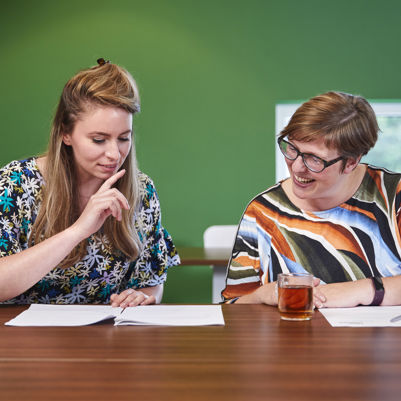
81,315
63,315
172,315
363,316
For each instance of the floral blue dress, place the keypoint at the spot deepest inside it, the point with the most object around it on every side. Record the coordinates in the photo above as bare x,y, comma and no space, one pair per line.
103,270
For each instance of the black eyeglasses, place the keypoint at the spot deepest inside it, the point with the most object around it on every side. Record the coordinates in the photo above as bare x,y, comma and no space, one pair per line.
311,162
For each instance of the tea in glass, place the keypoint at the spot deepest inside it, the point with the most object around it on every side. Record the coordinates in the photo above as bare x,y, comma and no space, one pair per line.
295,296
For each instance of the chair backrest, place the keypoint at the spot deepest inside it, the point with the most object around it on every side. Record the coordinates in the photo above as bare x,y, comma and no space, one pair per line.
222,236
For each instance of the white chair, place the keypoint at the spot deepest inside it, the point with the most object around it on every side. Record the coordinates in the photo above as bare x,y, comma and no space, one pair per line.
219,237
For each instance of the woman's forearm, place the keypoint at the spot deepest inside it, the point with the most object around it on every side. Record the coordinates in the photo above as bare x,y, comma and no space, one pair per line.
265,294
22,270
359,292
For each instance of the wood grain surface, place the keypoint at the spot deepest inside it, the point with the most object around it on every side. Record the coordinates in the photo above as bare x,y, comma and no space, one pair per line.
255,356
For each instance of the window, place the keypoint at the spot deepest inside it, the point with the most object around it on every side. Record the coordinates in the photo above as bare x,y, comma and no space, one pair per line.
386,152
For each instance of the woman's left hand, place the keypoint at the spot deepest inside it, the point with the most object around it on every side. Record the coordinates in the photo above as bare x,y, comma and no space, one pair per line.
343,295
131,297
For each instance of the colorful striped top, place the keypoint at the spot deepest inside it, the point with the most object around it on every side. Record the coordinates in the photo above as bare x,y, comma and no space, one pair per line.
358,239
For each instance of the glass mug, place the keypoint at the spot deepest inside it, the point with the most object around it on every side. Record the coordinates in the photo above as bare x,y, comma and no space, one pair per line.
295,296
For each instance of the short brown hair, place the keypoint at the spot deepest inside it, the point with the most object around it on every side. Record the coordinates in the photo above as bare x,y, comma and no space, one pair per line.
346,122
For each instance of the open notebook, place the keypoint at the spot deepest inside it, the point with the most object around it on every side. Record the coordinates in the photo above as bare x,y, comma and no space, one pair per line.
156,315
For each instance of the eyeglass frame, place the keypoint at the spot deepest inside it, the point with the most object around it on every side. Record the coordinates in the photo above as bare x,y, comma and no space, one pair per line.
302,154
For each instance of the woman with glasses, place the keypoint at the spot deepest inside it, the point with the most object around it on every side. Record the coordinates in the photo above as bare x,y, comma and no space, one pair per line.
334,217
81,223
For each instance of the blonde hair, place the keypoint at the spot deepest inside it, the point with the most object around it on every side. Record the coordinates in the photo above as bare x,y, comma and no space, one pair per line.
108,85
346,122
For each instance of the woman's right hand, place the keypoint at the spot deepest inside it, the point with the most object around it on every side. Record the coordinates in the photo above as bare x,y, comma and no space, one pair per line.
22,270
105,202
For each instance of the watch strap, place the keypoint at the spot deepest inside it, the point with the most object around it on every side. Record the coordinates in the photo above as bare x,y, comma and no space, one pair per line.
379,290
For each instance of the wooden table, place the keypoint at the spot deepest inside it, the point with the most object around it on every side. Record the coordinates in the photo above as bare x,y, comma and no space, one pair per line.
217,258
255,356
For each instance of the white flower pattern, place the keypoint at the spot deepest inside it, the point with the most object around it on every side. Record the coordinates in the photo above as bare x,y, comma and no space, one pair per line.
102,271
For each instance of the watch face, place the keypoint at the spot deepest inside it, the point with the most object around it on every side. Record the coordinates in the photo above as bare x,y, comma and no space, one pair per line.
379,291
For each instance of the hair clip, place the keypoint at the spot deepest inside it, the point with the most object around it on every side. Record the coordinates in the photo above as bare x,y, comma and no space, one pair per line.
102,61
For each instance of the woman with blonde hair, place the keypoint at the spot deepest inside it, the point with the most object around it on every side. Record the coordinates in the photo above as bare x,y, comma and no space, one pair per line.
81,224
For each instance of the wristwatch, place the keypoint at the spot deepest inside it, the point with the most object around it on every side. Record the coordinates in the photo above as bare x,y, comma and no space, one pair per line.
379,291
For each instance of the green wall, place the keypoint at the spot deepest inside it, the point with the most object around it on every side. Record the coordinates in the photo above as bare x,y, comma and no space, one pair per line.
210,73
